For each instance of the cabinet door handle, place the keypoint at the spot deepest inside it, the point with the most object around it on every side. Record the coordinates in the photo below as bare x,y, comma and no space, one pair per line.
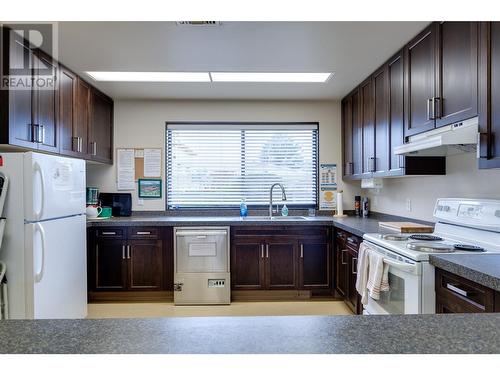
436,107
456,289
267,250
35,133
482,145
354,261
41,134
123,251
429,104
128,251
401,159
302,250
262,250
342,256
94,148
74,144
80,144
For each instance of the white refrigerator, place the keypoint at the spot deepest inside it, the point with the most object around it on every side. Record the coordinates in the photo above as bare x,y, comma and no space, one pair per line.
44,245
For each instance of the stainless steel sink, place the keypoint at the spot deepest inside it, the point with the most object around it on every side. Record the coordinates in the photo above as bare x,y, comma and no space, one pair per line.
275,218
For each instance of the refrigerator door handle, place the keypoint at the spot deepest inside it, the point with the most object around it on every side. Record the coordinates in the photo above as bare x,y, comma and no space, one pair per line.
39,274
37,168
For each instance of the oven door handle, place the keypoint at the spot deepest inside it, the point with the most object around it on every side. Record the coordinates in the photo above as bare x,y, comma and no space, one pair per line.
402,266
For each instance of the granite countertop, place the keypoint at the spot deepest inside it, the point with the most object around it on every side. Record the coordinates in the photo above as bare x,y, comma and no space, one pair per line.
483,269
353,224
453,333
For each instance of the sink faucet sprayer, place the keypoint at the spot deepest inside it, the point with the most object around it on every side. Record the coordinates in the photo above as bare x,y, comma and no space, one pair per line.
283,196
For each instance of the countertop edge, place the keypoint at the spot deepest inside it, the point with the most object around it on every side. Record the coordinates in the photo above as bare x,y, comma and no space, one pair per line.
466,272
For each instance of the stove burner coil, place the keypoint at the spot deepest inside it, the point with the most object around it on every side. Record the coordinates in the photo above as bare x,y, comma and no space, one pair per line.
425,237
465,247
425,247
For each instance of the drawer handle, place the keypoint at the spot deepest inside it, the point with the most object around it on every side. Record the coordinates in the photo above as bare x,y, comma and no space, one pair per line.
143,233
350,240
342,256
456,289
108,233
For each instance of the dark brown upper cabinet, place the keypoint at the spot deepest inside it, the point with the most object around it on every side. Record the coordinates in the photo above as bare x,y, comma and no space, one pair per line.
100,139
395,75
381,121
456,84
67,111
352,135
489,95
367,126
441,76
347,163
28,115
420,82
45,103
67,116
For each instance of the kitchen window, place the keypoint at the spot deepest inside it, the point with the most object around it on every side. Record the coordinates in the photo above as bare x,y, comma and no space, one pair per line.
215,165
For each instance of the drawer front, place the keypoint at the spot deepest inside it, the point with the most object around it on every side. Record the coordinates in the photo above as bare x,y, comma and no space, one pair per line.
111,233
464,295
352,242
150,233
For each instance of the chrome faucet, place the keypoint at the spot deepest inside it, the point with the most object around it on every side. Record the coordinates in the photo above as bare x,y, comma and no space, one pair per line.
283,196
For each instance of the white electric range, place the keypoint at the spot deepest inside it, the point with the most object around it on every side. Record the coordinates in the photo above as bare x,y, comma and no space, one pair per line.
463,226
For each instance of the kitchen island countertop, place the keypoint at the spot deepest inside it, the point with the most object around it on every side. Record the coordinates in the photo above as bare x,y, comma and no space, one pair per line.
483,269
453,333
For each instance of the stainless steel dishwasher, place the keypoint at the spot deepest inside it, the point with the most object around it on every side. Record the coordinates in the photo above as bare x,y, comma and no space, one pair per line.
201,266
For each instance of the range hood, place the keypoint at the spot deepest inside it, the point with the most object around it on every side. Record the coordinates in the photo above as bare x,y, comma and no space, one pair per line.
446,140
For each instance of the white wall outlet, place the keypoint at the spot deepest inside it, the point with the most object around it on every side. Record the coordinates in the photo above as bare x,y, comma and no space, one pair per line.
408,204
140,202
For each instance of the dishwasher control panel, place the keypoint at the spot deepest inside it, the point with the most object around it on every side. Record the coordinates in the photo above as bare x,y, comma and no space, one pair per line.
216,283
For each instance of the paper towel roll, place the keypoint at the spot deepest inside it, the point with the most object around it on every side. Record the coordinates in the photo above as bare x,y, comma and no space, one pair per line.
340,208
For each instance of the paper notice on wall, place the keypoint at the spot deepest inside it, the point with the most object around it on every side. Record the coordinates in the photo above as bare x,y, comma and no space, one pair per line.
125,169
327,186
328,175
327,198
152,162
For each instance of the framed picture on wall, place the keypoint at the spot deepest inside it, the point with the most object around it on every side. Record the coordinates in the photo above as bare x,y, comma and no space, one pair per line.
149,188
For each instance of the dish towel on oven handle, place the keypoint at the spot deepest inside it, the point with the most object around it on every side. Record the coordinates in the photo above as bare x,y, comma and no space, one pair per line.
378,275
362,276
373,274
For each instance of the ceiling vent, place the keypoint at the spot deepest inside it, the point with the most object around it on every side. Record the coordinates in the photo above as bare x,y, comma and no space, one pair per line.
198,23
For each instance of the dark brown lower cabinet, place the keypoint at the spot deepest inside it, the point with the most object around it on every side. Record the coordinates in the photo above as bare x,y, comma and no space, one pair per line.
110,264
281,263
281,258
145,262
247,263
122,267
314,263
341,266
455,294
346,261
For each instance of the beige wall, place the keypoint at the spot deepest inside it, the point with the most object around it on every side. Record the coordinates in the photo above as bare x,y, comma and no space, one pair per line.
463,179
142,124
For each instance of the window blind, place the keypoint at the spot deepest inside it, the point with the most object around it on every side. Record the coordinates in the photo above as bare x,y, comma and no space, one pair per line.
216,165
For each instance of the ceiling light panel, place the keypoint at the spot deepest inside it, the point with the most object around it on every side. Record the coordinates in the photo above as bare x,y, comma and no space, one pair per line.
269,77
150,76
